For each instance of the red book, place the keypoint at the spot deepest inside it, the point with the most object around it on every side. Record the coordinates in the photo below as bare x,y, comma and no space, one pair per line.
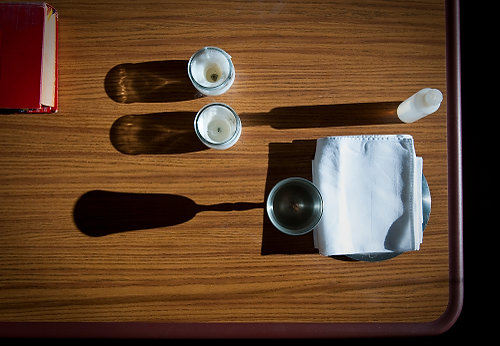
28,57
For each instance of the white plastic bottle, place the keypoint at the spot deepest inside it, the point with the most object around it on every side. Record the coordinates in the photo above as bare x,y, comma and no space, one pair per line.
419,105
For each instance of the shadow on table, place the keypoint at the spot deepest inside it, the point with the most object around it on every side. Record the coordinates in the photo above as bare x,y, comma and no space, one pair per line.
99,213
173,132
288,160
10,111
325,116
159,133
148,82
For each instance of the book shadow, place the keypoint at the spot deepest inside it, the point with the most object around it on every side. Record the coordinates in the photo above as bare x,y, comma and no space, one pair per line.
10,111
99,213
149,82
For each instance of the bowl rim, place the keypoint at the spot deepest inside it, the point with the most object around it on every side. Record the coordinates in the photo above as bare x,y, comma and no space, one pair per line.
270,209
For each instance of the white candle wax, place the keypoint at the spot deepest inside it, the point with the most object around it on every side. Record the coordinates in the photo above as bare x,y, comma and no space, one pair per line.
220,130
218,126
211,71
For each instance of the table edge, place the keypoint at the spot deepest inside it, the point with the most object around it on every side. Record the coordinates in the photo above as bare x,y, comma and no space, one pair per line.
313,330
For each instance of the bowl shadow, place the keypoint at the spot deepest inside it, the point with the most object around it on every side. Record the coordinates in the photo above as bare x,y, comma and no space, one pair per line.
287,160
99,213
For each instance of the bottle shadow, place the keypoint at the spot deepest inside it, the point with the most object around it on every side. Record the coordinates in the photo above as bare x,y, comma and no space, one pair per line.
173,132
100,213
356,114
149,82
158,133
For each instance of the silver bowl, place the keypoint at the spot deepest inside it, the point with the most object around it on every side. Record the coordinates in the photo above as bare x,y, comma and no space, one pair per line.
294,206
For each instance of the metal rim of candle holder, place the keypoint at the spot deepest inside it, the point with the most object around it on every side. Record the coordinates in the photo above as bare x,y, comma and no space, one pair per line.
219,86
270,207
221,145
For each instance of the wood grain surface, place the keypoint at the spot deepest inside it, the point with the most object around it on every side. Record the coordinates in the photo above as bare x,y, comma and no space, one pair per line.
111,210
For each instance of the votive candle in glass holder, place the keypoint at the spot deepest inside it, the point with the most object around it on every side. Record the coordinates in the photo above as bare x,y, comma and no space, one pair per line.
217,126
211,71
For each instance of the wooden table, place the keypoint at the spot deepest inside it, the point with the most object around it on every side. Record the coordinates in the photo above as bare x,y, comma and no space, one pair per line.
101,205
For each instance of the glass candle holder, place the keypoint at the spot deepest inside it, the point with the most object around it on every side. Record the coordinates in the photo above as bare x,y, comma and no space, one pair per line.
211,71
218,126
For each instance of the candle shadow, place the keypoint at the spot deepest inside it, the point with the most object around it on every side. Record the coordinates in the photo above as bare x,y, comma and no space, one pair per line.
99,213
148,82
158,133
326,115
173,133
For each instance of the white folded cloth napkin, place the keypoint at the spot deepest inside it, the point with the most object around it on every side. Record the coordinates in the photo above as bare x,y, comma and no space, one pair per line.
371,187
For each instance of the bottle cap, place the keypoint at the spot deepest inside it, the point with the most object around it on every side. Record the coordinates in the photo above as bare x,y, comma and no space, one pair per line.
433,97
